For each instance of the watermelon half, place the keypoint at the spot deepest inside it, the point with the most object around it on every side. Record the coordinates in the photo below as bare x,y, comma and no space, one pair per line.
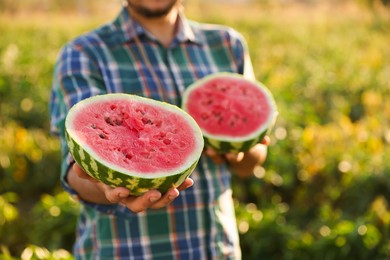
133,142
234,113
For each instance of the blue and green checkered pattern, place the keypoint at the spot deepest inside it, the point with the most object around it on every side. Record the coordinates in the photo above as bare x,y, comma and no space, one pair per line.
200,224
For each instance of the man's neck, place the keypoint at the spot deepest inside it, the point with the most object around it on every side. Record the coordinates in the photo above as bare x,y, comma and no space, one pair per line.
163,28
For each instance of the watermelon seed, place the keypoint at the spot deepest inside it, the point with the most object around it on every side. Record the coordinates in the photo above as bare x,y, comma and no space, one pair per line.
222,88
113,122
123,115
219,117
207,102
118,122
93,126
102,136
217,114
128,156
147,121
108,121
204,116
139,110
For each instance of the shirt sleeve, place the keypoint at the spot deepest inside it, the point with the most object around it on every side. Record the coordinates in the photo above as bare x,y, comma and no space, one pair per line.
76,77
241,54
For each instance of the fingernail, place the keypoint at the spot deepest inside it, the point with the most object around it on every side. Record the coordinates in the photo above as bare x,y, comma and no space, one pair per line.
154,198
189,184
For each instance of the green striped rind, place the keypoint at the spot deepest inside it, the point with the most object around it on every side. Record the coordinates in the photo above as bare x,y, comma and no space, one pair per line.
231,146
136,185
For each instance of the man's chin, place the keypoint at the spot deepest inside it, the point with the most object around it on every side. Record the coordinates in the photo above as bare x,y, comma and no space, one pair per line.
152,13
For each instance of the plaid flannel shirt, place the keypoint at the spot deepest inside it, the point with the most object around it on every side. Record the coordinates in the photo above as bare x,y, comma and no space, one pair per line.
200,223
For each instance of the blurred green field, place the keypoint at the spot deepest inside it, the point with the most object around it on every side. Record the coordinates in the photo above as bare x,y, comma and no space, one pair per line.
324,191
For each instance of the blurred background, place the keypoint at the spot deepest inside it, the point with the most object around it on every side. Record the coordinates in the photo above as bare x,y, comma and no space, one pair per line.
324,191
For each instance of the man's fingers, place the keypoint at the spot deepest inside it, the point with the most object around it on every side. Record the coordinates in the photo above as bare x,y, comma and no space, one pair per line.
165,200
114,195
234,157
186,184
266,140
140,203
151,199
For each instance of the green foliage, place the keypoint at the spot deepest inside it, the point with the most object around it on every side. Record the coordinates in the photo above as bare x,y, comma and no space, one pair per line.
324,191
47,5
32,252
29,156
373,3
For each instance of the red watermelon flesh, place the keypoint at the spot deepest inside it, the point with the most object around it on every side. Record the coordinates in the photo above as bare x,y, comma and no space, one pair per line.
137,137
229,106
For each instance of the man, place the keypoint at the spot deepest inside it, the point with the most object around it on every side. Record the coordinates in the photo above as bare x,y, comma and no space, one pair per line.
152,50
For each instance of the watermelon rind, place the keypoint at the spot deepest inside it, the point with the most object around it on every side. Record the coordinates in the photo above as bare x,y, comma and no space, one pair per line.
116,176
226,143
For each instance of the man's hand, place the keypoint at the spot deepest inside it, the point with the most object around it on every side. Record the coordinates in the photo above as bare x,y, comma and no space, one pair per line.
98,192
242,163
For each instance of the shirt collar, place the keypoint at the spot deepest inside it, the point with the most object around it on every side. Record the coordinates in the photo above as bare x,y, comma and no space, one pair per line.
184,31
128,28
